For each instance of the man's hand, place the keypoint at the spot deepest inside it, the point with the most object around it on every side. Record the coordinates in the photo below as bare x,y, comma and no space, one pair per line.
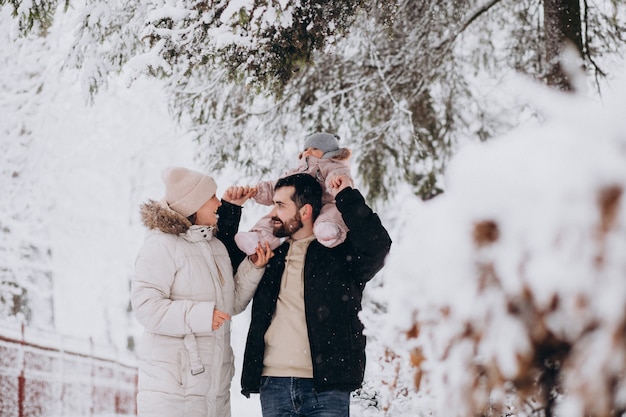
238,194
262,255
338,183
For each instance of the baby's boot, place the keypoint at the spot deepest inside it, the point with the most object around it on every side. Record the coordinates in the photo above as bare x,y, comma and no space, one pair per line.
327,234
247,242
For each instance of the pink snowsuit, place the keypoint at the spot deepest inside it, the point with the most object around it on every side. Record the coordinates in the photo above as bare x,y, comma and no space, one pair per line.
322,170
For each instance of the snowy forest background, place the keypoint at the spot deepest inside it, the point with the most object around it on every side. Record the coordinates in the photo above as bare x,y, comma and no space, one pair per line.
495,156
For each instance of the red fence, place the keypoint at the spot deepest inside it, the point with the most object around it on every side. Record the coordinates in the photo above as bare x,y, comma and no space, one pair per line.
45,375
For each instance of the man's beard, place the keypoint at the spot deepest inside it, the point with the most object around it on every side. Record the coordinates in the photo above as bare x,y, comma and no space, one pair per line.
289,227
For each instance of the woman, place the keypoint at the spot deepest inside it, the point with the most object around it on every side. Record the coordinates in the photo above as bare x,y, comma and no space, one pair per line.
184,293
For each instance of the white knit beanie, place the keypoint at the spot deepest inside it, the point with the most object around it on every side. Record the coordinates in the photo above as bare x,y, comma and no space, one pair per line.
186,190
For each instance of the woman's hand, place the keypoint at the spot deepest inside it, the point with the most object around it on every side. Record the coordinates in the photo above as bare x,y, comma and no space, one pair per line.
238,194
262,255
219,317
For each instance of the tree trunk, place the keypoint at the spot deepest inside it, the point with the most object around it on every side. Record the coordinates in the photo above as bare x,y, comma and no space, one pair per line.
562,25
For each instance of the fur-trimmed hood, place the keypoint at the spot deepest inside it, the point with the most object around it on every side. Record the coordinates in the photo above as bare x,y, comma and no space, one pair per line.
343,155
157,215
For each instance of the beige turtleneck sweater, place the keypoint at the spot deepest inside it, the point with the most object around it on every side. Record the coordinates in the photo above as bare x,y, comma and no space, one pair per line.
287,349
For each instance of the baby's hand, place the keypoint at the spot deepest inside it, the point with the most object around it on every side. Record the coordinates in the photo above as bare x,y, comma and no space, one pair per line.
338,183
238,194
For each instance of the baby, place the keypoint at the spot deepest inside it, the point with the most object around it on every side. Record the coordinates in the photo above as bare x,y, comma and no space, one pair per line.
323,159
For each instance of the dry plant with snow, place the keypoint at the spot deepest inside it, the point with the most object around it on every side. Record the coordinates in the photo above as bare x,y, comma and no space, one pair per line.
516,281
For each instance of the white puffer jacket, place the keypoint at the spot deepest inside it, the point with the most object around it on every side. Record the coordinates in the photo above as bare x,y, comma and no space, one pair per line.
185,367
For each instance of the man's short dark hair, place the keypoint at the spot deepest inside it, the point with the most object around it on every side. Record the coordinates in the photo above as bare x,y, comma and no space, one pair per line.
307,191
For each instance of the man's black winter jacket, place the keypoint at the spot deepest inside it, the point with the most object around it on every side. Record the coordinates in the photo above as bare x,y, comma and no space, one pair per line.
334,279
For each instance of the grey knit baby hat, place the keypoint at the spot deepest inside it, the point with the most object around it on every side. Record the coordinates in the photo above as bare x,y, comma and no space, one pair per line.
186,190
327,142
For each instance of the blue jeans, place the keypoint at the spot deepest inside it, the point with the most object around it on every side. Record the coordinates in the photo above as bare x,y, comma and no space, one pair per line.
296,397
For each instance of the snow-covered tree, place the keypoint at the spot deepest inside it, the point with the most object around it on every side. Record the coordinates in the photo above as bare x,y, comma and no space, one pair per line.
397,80
25,248
44,179
31,16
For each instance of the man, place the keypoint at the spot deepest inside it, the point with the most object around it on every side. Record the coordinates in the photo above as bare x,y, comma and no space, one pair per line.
305,350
